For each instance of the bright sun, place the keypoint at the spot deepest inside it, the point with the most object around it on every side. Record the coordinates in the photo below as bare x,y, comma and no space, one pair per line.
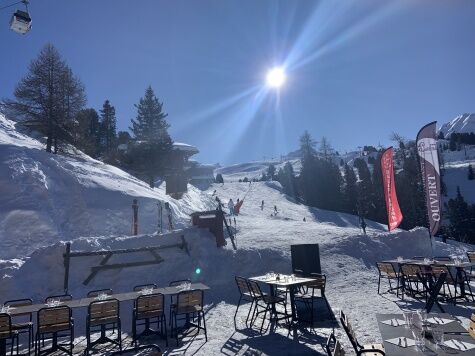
275,77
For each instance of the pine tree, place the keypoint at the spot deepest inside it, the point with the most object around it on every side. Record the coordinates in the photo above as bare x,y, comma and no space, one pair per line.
152,154
365,187
108,128
307,145
271,172
325,149
48,98
350,191
88,132
150,124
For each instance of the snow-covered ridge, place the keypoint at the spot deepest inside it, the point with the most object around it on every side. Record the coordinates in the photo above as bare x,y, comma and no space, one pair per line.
464,123
45,198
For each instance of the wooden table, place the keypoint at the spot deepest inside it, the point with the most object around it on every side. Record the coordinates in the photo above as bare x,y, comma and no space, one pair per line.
84,302
122,297
287,282
453,330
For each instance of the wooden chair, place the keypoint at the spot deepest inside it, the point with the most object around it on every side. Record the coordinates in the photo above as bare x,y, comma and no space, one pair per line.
471,326
141,287
387,270
7,333
312,291
149,309
189,302
98,292
53,323
103,315
173,297
333,346
371,349
244,295
267,304
411,275
450,281
145,350
22,323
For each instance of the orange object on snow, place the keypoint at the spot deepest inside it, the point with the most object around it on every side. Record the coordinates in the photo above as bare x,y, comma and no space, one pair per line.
238,206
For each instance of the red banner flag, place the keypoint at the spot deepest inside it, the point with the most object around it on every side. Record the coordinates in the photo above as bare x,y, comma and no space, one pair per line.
389,187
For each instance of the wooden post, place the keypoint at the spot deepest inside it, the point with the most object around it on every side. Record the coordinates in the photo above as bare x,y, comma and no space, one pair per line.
66,267
135,222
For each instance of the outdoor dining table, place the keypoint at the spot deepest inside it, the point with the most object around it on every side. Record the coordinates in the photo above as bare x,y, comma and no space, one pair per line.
452,331
458,266
84,302
289,282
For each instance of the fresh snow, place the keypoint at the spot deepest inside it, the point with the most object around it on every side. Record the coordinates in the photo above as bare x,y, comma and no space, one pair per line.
48,199
464,123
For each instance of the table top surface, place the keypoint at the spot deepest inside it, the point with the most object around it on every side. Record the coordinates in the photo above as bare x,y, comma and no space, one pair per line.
122,297
283,281
452,330
423,263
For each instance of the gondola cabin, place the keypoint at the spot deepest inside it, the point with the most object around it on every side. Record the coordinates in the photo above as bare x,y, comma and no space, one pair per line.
20,22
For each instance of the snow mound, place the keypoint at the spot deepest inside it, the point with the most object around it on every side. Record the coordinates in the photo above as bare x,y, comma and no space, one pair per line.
46,198
464,123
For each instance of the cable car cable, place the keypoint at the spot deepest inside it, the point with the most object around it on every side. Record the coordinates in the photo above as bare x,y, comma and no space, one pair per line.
7,6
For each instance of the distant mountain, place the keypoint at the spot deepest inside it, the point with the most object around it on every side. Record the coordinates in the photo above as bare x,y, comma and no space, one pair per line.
464,123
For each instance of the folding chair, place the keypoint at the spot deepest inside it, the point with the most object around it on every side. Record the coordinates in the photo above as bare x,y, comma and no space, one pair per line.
312,291
22,323
267,304
371,349
386,270
149,309
333,346
189,302
54,323
411,275
7,333
244,295
173,297
103,315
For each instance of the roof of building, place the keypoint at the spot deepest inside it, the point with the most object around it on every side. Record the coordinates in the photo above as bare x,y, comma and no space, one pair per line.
185,147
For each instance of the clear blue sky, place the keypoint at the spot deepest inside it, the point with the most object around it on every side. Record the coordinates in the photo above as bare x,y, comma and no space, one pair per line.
357,70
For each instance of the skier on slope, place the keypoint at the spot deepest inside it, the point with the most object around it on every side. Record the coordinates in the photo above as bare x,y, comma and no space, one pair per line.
231,207
262,205
363,225
275,210
237,207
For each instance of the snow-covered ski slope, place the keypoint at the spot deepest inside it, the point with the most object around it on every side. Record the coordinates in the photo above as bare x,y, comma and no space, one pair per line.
45,198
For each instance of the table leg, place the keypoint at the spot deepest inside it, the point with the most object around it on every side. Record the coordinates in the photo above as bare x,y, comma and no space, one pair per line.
461,282
292,304
3,347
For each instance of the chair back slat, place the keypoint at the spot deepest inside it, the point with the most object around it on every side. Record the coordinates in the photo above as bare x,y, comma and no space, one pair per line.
190,298
386,269
104,309
242,285
150,303
410,270
53,316
319,282
255,289
5,323
471,326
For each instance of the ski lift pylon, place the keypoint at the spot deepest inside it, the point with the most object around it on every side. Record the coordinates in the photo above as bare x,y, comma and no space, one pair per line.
21,20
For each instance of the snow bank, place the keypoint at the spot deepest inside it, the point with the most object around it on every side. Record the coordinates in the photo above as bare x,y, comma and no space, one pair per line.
45,198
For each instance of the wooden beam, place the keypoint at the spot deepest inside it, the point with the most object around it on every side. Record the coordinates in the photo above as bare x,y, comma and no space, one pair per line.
94,272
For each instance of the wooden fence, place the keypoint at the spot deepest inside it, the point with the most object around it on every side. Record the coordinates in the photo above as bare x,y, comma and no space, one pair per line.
108,254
